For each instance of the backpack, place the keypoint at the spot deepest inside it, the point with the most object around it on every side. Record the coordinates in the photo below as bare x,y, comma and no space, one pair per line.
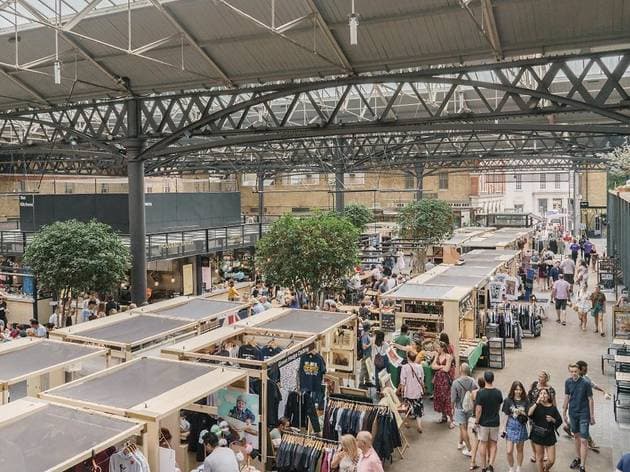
468,405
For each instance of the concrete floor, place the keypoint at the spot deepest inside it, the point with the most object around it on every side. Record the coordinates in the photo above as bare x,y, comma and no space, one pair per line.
559,345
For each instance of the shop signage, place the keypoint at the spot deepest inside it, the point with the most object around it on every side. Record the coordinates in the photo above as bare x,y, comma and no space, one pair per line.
388,322
584,204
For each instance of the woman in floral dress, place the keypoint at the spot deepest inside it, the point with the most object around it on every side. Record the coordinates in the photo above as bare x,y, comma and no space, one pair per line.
442,384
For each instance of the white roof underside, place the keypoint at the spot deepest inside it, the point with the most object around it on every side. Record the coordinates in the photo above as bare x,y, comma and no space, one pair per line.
185,44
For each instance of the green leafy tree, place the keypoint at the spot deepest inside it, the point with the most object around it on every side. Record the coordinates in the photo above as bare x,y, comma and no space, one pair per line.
619,161
71,257
314,253
359,215
425,222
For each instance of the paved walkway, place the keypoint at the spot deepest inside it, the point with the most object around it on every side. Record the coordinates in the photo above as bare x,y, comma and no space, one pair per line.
558,346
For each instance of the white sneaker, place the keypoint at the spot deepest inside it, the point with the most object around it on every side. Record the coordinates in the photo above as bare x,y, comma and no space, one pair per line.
466,452
511,469
461,445
518,468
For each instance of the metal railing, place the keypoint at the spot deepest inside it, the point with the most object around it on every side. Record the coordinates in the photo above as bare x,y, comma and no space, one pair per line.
167,245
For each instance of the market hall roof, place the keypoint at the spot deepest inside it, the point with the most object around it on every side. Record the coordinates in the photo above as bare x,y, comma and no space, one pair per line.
164,45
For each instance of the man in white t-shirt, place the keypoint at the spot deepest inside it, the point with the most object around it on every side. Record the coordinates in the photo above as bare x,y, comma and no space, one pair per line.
219,459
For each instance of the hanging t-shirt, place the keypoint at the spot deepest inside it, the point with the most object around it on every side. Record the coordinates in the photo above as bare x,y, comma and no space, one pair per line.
247,351
268,352
311,371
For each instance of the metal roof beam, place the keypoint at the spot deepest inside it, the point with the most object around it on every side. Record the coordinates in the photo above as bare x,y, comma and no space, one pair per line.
192,41
490,26
76,19
329,35
109,74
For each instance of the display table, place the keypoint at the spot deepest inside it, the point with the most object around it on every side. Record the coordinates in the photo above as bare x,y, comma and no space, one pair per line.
471,354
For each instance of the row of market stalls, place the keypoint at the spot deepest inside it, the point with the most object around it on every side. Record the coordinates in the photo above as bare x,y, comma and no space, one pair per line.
114,385
197,366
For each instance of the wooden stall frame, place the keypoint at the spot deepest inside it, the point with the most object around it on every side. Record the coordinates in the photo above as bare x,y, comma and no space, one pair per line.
25,343
255,369
123,351
157,408
29,405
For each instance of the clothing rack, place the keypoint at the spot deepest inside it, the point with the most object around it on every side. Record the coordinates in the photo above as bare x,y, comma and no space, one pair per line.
309,437
302,452
343,416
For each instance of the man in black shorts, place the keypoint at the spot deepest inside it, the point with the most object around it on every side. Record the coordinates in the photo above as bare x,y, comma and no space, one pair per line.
560,292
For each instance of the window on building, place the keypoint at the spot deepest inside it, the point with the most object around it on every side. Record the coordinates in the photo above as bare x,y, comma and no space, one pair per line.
104,187
443,181
542,206
69,188
557,181
518,179
354,178
149,190
543,181
248,180
518,208
301,179
410,181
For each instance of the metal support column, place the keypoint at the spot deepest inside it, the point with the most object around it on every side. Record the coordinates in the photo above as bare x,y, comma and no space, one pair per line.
339,190
419,180
261,203
137,224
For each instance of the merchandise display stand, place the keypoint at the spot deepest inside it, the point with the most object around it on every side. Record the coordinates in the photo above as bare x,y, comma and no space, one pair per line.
126,335
451,298
40,363
294,332
71,435
150,390
291,440
387,406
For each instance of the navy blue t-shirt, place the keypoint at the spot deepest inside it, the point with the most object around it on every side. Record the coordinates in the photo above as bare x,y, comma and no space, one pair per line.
624,463
579,392
312,370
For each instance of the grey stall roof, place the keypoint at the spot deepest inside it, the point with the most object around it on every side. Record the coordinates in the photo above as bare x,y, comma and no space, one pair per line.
420,291
39,356
133,329
468,270
52,435
197,308
456,280
132,384
305,321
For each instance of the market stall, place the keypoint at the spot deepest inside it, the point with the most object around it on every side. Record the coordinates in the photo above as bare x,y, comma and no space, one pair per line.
30,365
278,349
501,239
38,436
153,391
208,313
127,334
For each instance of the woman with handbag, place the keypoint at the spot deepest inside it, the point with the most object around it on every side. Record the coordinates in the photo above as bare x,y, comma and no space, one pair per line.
442,384
546,420
412,388
516,407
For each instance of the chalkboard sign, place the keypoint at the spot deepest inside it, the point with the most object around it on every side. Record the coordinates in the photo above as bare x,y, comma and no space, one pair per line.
388,322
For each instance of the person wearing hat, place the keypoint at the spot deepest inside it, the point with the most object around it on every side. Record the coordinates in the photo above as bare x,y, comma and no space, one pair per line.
366,350
241,412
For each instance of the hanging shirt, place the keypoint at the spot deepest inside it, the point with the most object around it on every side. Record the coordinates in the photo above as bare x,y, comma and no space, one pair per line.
311,371
267,352
247,351
128,462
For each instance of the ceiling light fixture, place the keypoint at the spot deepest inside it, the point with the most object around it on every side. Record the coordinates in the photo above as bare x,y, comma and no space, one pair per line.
353,22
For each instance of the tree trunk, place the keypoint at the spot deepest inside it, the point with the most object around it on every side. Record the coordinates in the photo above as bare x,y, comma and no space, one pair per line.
418,261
